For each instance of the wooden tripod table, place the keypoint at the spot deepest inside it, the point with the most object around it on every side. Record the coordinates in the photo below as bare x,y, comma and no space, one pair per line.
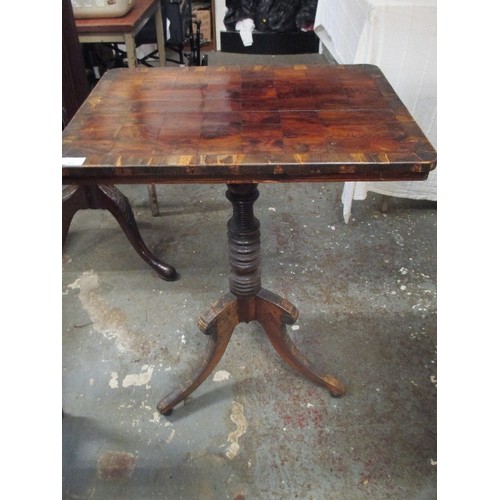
243,126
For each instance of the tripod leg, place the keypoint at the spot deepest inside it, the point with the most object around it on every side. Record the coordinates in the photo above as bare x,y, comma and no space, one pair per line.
274,313
218,324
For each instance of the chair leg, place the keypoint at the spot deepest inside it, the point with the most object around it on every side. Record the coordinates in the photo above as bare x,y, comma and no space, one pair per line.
153,200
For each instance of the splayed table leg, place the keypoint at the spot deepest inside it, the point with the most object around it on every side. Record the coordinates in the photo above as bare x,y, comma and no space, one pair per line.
110,198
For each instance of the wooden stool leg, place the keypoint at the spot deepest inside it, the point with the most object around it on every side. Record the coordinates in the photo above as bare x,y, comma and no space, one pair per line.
153,200
384,204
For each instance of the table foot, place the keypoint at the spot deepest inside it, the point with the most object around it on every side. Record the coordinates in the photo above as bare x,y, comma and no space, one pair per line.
274,313
219,324
110,198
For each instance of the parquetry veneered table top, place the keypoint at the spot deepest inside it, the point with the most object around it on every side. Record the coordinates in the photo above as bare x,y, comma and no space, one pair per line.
245,124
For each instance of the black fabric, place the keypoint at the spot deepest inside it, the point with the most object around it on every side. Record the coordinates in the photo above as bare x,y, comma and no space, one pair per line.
176,27
237,10
306,15
279,16
276,15
171,10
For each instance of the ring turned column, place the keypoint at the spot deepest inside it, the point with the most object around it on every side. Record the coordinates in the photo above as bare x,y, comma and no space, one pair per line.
243,231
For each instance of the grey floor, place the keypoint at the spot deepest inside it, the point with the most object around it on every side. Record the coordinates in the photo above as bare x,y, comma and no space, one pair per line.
256,429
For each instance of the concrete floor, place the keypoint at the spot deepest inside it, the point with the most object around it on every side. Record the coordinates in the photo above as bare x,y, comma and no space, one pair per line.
366,294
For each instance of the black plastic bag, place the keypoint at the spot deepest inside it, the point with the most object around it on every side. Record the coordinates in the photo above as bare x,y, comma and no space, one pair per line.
237,10
169,9
306,15
276,15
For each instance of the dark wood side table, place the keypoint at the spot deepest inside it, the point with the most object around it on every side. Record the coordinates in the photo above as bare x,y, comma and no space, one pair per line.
123,30
243,126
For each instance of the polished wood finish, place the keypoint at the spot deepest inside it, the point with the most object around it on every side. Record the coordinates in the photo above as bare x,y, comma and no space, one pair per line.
246,124
242,126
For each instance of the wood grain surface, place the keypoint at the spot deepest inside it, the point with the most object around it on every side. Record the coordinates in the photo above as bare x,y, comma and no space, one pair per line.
245,124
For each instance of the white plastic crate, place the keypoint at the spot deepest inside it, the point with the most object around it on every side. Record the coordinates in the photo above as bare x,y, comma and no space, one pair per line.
100,8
